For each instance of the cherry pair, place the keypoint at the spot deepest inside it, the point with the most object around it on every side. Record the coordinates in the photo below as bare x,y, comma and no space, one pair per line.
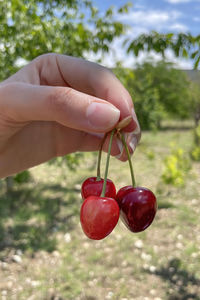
101,208
99,215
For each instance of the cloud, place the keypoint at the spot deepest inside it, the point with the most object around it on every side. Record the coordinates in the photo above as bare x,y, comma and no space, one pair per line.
178,1
178,27
181,1
150,19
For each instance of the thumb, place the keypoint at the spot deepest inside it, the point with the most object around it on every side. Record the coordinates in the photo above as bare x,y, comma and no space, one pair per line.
25,102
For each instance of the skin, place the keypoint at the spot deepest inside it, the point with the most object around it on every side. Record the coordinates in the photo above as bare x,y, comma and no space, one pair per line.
46,111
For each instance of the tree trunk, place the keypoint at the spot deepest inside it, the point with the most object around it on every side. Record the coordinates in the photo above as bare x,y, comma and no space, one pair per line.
197,117
9,184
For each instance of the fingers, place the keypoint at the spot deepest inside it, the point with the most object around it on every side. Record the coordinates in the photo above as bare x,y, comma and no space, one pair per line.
89,78
25,102
38,142
92,79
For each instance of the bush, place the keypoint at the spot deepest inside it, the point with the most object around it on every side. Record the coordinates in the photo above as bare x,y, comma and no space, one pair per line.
22,177
195,152
176,167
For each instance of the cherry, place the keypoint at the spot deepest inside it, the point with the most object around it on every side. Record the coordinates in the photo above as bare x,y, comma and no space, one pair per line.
99,216
138,207
93,187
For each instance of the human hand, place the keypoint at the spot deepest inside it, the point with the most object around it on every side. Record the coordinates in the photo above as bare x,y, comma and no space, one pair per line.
57,105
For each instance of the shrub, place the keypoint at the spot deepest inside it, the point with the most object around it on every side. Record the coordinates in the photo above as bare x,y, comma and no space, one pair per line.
176,167
195,152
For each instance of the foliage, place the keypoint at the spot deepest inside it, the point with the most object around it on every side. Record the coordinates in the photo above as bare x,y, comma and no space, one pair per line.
159,91
176,167
22,177
195,152
30,28
182,44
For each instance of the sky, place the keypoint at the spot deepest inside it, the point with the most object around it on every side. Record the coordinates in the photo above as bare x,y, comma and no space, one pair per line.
159,15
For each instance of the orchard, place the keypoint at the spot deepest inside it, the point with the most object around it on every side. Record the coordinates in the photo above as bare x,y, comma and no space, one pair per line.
87,226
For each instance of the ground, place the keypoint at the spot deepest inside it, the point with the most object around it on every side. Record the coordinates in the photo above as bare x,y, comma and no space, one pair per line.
45,255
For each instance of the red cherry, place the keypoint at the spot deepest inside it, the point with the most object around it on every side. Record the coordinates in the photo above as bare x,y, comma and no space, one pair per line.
138,207
92,187
99,216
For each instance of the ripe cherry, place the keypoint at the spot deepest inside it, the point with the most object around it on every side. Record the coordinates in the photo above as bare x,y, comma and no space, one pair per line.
93,187
138,207
99,216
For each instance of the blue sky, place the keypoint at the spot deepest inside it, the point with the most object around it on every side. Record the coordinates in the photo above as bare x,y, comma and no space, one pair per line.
160,15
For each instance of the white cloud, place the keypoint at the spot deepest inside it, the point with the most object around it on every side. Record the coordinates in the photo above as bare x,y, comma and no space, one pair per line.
151,19
181,1
178,27
178,1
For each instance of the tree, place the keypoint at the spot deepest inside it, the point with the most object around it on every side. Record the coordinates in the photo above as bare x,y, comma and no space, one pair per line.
159,91
29,28
182,44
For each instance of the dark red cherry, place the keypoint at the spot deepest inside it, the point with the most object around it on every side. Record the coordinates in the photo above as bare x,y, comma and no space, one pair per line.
122,192
93,187
138,207
99,216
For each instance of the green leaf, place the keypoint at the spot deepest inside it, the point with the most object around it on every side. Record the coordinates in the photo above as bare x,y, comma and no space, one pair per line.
196,64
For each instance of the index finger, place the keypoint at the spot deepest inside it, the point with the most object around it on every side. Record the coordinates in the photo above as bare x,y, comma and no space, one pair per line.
89,78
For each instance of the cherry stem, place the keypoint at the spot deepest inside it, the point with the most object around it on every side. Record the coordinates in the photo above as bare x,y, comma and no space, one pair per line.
99,158
129,158
107,163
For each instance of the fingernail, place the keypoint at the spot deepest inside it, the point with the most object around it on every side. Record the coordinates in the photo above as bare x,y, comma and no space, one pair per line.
137,129
121,148
102,116
131,140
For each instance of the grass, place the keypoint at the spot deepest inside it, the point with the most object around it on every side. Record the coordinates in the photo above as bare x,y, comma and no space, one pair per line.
39,222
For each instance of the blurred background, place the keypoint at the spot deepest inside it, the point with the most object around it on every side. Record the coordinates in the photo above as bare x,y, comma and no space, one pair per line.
153,47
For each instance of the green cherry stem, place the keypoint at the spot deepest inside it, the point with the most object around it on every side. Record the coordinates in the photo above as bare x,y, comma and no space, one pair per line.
107,163
99,158
129,158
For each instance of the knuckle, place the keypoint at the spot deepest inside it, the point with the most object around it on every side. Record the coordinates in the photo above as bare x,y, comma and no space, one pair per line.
46,56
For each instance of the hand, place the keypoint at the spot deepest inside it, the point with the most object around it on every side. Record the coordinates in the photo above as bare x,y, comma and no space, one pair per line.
57,105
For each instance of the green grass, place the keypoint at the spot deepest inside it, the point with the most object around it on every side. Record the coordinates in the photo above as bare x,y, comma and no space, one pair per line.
41,218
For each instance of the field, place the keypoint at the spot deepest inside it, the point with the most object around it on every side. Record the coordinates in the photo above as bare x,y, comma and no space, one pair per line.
44,254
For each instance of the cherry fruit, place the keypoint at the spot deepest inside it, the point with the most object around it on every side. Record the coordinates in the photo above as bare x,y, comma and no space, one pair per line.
138,207
93,187
99,216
